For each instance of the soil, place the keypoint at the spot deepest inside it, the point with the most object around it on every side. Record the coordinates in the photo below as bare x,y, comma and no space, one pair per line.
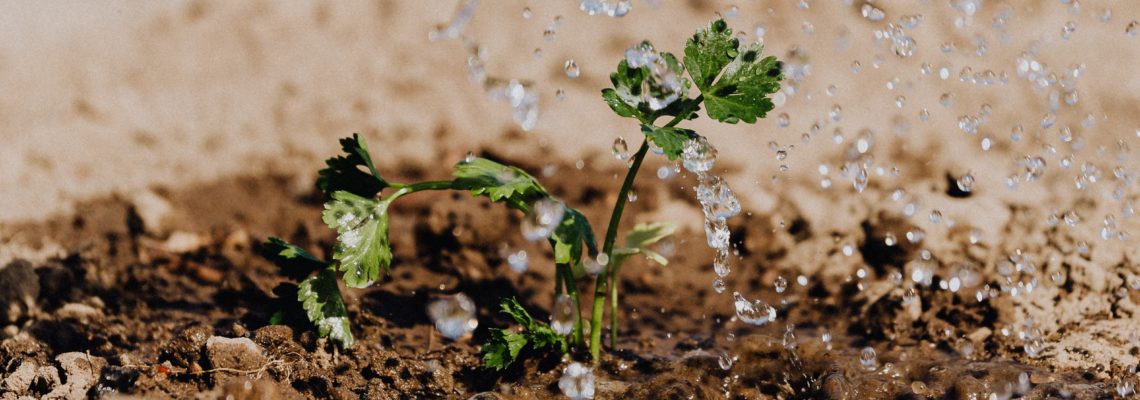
148,149
146,306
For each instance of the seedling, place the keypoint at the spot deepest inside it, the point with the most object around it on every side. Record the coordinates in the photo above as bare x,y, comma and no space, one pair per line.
734,84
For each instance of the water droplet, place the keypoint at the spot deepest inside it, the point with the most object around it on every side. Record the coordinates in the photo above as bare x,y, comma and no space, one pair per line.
518,261
719,285
756,312
560,94
640,55
454,316
965,183
872,13
720,263
836,113
790,338
781,284
621,149
1068,29
562,315
868,359
698,155
782,120
717,199
1034,346
571,68
1133,28
725,360
577,382
527,13
545,215
856,67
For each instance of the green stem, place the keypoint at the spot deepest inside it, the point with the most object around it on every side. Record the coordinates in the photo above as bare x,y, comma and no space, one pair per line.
600,282
607,248
614,306
567,275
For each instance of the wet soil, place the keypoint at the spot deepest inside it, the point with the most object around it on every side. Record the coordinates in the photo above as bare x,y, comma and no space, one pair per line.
148,299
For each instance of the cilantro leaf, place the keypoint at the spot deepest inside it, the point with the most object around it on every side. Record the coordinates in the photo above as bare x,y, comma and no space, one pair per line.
295,262
745,80
504,346
320,297
344,172
625,98
362,243
498,182
670,140
571,234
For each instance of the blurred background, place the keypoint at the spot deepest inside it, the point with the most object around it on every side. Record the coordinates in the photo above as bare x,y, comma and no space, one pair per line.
100,98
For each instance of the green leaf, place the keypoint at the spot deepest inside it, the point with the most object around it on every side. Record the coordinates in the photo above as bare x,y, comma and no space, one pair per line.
644,235
745,79
670,140
709,51
295,262
362,237
344,172
502,348
320,297
625,98
498,182
571,234
511,307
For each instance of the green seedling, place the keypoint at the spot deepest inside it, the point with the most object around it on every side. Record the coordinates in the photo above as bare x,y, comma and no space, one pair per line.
733,82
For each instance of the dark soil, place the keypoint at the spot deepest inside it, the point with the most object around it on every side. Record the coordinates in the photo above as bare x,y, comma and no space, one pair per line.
141,310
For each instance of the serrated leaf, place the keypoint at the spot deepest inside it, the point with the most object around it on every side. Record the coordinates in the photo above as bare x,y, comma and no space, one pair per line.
742,91
625,98
619,105
344,172
670,140
294,262
498,182
511,307
735,81
570,236
502,348
638,240
708,52
320,297
362,248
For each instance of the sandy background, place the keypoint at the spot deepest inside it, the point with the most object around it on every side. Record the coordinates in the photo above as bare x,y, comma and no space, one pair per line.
100,99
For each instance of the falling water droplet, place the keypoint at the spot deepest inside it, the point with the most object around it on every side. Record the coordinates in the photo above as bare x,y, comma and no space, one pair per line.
577,381
781,284
965,183
545,215
571,68
454,316
620,149
756,313
562,315
869,359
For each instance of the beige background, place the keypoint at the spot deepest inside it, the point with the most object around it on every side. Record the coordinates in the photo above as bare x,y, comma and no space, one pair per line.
99,98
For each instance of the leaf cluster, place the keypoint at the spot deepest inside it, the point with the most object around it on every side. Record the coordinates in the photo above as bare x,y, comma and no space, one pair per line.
505,346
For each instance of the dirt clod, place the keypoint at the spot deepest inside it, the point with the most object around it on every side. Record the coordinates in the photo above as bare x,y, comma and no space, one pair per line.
234,353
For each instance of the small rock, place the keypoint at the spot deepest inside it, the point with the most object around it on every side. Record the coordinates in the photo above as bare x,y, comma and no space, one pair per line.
19,288
81,371
79,312
183,242
21,379
234,353
152,209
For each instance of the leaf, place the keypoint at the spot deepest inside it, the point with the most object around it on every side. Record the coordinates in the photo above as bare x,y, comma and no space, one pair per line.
295,262
498,182
362,237
745,80
344,172
511,307
708,52
502,348
320,297
571,234
638,240
670,140
625,98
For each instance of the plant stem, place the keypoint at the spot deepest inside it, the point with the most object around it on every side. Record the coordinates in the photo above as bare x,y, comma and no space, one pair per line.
614,306
607,248
566,275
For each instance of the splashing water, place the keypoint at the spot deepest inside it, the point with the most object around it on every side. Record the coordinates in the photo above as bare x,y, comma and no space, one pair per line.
458,22
577,381
544,217
562,315
454,316
755,312
612,8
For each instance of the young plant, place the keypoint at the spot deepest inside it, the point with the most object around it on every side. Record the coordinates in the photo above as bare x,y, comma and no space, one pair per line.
734,83
505,346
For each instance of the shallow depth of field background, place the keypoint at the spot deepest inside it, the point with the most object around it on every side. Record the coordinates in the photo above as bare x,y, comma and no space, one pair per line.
103,98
